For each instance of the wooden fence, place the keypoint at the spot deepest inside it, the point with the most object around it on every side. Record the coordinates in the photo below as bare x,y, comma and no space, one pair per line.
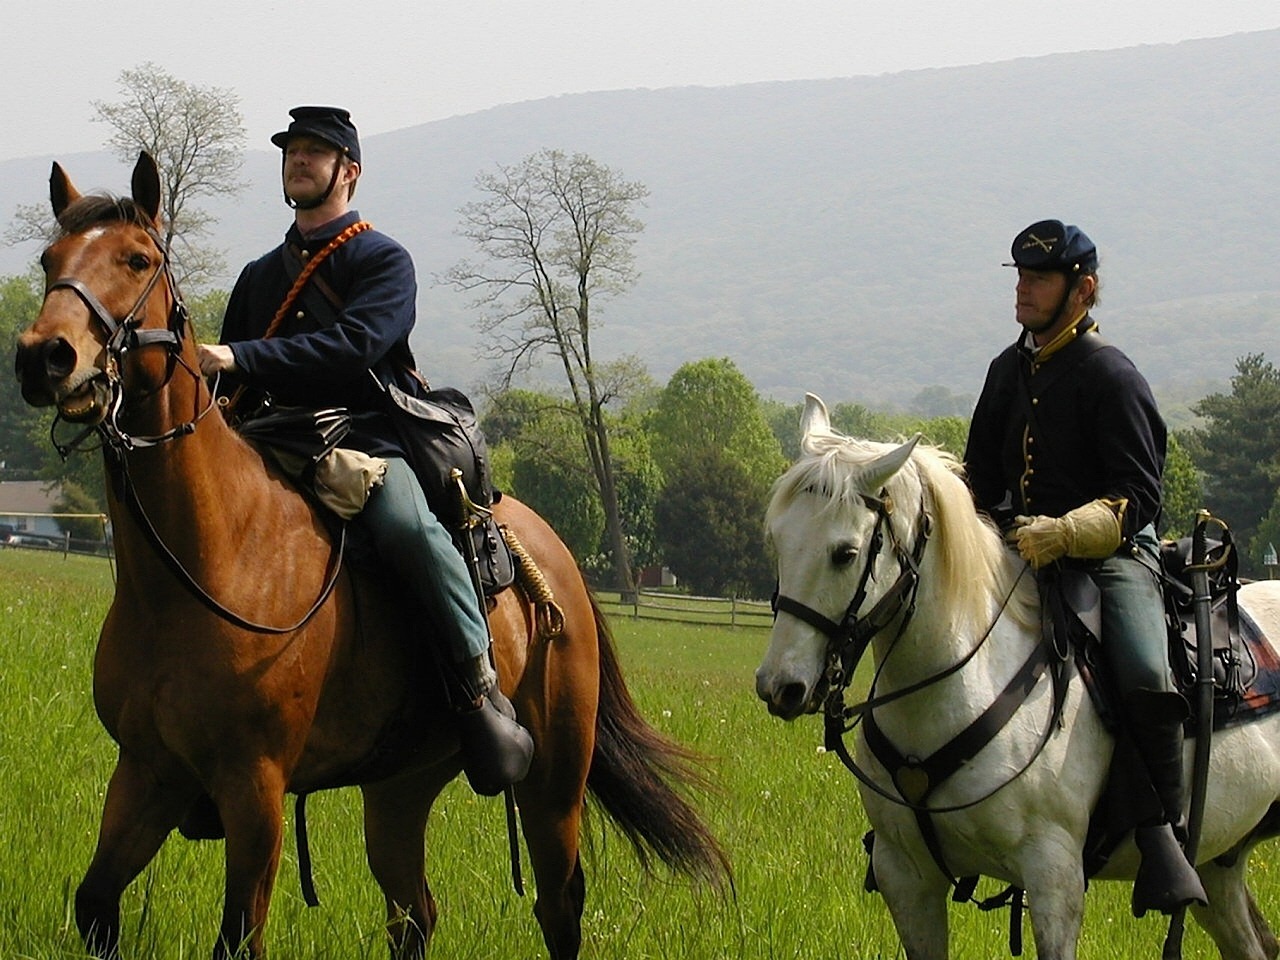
679,608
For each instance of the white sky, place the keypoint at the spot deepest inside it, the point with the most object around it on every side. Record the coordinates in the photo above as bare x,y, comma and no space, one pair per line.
398,63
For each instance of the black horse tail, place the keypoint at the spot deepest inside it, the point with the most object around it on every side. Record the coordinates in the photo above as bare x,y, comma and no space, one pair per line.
633,772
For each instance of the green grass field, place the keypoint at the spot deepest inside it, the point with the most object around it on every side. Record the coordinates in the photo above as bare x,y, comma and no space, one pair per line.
787,813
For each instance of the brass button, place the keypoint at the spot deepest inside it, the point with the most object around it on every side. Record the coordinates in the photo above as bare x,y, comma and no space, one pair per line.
306,254
300,314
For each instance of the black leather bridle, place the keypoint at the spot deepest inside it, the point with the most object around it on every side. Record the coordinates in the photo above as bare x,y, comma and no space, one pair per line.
124,335
848,638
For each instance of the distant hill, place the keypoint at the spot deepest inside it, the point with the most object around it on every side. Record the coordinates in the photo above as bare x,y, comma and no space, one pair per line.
844,236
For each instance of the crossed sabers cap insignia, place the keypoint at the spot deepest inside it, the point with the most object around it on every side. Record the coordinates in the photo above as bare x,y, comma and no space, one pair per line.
1045,245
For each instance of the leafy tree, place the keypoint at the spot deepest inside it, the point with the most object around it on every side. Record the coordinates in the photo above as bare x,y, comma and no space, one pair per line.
1183,490
1267,537
73,499
197,137
719,457
536,455
556,232
20,454
1238,451
709,405
639,490
711,529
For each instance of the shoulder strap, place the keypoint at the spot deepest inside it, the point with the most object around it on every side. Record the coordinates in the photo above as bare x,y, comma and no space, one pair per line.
308,269
300,273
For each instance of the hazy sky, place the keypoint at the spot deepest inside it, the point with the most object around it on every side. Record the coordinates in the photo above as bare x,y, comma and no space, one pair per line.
397,63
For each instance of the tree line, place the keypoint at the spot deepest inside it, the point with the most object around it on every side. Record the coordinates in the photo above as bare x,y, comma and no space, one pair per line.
632,474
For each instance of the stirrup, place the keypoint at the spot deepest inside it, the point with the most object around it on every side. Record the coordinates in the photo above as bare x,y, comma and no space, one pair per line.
1165,880
496,750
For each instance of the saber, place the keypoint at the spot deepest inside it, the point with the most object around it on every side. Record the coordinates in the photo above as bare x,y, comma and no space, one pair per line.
1199,569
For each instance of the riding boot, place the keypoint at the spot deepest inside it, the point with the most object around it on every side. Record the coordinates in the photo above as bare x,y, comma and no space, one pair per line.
1165,880
496,750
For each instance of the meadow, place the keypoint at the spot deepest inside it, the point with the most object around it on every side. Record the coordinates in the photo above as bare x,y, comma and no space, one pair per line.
786,812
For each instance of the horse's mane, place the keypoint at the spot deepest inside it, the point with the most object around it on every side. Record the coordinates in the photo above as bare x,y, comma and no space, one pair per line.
94,209
971,559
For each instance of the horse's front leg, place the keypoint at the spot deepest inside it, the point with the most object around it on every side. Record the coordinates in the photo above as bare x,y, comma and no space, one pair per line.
1053,877
395,820
915,890
138,815
250,804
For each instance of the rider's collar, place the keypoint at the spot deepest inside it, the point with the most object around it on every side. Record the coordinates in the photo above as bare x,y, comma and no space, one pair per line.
1040,354
323,233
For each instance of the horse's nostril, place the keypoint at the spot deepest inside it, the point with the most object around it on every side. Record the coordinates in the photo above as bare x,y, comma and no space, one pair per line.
59,359
791,697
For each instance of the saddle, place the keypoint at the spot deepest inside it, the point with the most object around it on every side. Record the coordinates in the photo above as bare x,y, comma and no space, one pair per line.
1246,672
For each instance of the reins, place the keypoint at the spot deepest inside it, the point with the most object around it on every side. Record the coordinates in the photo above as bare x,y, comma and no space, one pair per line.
123,335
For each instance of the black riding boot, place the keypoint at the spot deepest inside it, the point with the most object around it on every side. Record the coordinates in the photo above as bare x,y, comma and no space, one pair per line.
496,750
1165,879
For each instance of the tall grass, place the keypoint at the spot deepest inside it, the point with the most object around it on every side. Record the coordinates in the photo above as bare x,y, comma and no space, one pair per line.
787,813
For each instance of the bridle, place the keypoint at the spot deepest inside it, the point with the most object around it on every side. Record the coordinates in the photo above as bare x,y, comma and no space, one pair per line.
124,335
848,638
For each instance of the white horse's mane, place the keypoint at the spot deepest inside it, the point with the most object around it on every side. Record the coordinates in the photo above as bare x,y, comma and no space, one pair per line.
971,559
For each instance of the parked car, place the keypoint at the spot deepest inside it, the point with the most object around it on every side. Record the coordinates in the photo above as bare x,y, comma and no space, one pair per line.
34,540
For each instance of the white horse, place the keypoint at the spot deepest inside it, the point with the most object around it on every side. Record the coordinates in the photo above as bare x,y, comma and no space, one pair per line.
848,506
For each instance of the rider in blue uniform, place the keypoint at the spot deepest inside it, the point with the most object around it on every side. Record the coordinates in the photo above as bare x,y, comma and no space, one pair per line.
339,345
1065,451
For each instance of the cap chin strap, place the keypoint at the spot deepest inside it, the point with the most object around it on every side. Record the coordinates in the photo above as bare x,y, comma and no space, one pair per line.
1072,279
318,201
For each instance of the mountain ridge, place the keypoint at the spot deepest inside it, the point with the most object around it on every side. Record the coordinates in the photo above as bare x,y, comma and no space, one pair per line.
844,236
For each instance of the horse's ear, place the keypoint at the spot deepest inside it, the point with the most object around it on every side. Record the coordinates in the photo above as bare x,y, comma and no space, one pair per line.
876,474
815,418
146,185
62,192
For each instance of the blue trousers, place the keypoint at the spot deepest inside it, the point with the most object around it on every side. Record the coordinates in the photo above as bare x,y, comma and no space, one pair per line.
1135,641
416,547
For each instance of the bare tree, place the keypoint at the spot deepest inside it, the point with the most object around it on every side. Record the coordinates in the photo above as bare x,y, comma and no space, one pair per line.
197,137
557,231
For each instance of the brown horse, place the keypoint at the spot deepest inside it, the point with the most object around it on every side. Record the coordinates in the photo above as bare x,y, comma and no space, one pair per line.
241,661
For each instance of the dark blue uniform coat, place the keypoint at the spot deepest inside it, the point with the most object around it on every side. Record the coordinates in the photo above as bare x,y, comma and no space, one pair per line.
314,363
1093,431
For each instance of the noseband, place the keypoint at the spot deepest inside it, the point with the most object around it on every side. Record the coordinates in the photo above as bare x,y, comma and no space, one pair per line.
124,335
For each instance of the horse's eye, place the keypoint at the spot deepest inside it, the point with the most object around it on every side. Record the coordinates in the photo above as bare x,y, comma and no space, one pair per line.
844,554
139,262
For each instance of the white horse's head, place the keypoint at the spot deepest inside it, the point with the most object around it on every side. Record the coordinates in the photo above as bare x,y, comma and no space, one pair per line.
841,522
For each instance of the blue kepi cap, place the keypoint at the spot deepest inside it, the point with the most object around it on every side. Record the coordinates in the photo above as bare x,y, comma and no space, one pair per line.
1053,245
331,124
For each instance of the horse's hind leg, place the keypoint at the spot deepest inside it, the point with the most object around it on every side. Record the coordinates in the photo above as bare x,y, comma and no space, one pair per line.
551,832
1232,918
137,816
395,820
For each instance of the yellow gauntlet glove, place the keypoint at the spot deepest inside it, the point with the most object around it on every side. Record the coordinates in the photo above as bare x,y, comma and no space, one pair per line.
1089,532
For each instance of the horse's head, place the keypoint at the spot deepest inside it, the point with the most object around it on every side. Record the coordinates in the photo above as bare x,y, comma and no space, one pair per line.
835,532
108,288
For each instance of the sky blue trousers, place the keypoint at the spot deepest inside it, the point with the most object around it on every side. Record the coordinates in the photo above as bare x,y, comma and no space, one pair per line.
1135,640
416,547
